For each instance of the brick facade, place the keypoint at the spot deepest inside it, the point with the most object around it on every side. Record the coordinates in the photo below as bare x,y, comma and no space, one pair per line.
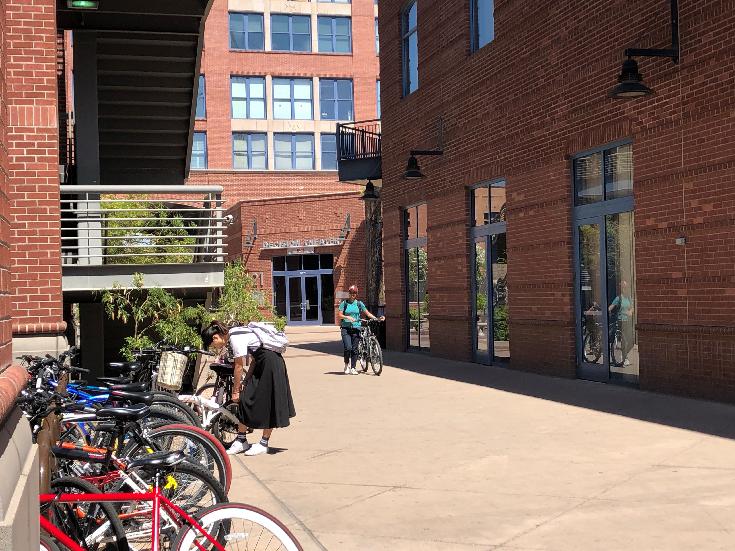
287,205
5,289
32,149
517,109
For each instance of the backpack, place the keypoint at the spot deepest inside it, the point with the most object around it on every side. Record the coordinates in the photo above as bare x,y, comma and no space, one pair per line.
269,338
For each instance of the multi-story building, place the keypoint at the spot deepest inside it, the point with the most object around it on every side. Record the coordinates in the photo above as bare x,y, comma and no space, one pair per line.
531,218
277,77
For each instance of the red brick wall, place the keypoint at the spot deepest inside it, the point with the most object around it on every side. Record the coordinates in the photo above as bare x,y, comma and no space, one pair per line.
5,290
299,218
517,109
32,141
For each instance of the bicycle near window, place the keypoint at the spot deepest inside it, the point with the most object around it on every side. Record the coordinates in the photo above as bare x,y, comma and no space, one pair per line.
369,351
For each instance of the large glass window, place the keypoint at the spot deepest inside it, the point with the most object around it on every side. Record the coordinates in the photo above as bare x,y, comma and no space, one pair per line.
417,269
249,151
291,33
335,99
294,151
603,175
292,98
199,150
248,97
410,39
201,109
246,31
329,152
490,263
483,23
335,34
377,93
377,38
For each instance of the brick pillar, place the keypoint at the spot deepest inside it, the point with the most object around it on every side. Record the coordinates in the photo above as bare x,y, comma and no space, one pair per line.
5,310
32,139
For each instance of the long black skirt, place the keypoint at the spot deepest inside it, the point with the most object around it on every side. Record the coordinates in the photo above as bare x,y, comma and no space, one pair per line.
266,402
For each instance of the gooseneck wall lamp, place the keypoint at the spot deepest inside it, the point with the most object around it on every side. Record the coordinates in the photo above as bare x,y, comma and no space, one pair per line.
630,81
413,171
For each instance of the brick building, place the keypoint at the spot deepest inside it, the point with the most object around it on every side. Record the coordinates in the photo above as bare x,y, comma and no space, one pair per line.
561,230
277,76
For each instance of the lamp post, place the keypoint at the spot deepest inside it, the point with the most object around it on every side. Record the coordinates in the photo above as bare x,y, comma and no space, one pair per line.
373,246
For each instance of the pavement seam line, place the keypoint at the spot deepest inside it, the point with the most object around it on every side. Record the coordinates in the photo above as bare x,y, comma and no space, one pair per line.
263,485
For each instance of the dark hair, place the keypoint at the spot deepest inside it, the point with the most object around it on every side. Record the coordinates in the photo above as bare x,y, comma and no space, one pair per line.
214,328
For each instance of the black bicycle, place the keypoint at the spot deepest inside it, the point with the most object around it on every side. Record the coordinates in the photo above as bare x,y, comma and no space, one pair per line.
369,351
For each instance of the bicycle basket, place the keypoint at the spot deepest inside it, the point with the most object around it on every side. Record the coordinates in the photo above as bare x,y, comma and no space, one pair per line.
171,369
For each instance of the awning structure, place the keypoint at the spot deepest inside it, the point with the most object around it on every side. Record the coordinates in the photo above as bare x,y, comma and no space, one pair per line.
136,69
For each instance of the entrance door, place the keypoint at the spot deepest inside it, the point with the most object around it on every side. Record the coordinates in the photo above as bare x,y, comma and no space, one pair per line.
304,299
606,337
301,285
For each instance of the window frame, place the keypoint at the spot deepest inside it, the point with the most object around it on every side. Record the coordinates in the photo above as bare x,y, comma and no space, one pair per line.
246,14
293,136
336,99
201,93
475,26
406,33
204,151
605,205
249,150
247,97
333,35
292,81
290,17
321,143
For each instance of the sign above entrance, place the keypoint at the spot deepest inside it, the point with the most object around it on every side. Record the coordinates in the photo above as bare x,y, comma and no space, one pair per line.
303,243
300,250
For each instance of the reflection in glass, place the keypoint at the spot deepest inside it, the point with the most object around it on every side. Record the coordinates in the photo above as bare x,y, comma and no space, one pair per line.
418,298
619,172
621,309
593,338
421,230
497,202
588,179
499,271
481,293
481,205
411,223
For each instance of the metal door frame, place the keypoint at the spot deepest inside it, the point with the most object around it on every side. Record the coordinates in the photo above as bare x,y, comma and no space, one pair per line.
302,275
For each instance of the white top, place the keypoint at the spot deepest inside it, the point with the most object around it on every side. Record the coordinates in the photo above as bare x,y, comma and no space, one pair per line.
242,341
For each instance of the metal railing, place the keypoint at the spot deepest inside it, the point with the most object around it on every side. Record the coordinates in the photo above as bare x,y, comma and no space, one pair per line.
103,225
358,140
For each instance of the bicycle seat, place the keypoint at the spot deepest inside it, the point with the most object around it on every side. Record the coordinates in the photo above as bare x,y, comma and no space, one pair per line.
223,370
132,413
114,380
123,367
135,397
158,460
130,387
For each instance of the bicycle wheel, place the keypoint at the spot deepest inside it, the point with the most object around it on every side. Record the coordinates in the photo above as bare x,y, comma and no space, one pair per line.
237,526
161,415
47,544
94,526
591,347
362,355
225,427
376,356
170,401
616,349
200,447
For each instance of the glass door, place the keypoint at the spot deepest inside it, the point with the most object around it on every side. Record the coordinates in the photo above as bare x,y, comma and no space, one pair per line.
311,292
295,300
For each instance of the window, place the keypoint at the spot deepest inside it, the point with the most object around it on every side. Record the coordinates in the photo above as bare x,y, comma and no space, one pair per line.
246,31
248,97
249,151
292,98
199,150
329,152
377,38
410,50
294,151
291,33
483,23
377,87
416,277
335,99
603,175
201,110
335,34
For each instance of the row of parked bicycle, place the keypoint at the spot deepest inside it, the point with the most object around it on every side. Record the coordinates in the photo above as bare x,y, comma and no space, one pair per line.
127,464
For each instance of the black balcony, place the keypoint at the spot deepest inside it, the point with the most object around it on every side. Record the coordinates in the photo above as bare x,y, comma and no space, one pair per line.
358,151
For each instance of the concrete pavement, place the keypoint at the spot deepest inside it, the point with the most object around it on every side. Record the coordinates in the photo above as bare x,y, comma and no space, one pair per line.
435,454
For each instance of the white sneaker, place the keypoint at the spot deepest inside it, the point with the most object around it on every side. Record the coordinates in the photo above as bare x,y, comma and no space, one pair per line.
353,371
257,449
238,446
347,369
626,362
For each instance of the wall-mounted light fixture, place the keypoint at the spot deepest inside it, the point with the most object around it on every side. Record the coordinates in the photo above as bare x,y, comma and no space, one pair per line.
413,171
630,80
370,193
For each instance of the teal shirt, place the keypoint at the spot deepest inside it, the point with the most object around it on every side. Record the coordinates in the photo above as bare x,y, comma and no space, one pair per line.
352,309
623,303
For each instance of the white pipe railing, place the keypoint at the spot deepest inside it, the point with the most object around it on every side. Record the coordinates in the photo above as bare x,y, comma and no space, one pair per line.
142,225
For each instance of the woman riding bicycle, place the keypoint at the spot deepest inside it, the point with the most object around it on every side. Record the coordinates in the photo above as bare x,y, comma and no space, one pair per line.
350,316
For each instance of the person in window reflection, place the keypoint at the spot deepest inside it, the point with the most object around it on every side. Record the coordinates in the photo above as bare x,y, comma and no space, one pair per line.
621,311
350,315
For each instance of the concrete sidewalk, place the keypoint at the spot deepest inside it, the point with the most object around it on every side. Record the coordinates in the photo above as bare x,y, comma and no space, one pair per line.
435,454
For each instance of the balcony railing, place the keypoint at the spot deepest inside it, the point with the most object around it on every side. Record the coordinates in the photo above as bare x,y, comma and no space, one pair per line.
102,225
358,151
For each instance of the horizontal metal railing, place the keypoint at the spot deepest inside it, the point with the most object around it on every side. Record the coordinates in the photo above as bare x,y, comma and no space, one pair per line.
142,225
358,140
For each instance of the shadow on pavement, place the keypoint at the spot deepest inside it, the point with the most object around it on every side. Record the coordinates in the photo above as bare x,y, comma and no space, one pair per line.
702,416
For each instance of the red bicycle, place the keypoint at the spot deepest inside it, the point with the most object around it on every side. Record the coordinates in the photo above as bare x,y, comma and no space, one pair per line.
221,527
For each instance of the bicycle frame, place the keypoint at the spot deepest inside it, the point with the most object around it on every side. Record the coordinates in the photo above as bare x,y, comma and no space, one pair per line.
156,497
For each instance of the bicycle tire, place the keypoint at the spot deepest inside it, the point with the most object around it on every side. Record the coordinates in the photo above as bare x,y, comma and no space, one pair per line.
215,453
362,355
205,391
47,544
224,428
617,346
591,353
224,516
376,355
171,401
114,531
158,414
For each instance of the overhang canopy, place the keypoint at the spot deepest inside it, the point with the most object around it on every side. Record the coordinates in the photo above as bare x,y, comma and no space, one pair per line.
147,68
